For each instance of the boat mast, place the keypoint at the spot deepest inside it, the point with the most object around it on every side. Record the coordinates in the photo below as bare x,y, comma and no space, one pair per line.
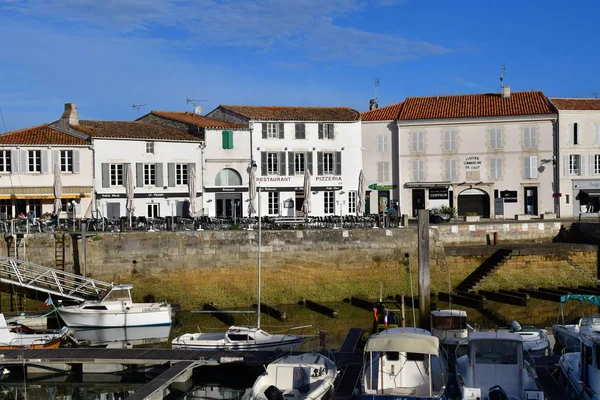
259,259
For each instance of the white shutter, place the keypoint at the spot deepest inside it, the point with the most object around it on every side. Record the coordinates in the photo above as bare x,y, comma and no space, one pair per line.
75,161
453,165
414,141
24,160
385,143
15,166
498,168
533,166
379,143
493,168
492,134
421,138
498,138
453,140
415,172
421,170
582,167
592,165
379,173
44,161
533,137
526,138
596,133
447,170
527,168
566,167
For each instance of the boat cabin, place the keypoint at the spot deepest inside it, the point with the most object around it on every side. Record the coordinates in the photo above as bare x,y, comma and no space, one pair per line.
449,324
590,357
118,293
403,364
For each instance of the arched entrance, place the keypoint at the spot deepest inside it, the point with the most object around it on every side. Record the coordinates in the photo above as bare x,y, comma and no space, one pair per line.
228,204
474,201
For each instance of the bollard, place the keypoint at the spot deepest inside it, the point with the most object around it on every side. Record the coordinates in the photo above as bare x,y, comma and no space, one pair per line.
495,238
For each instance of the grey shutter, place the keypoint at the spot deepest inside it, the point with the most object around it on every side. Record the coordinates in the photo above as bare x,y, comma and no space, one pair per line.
592,165
291,160
309,161
264,130
527,167
582,168
125,172
281,160
300,131
320,133
139,175
171,174
263,163
75,161
281,131
14,161
105,175
319,163
159,174
55,158
338,163
566,165
44,161
23,159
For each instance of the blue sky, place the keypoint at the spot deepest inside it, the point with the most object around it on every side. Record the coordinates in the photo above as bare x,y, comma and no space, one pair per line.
108,55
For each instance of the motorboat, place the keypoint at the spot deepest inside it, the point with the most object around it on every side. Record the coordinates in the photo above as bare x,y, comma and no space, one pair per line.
307,376
450,326
403,363
581,380
567,335
115,309
11,337
243,338
123,337
535,340
494,368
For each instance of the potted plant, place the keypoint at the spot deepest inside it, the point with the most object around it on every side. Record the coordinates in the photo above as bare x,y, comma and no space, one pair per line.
471,217
549,215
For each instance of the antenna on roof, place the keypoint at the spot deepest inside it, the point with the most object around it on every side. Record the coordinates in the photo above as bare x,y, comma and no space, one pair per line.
137,107
502,72
374,103
3,123
376,88
595,95
195,105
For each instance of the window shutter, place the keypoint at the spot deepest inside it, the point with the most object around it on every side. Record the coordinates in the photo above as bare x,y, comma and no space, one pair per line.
338,163
582,166
415,142
453,140
498,168
415,172
320,132
380,143
264,130
597,134
55,158
281,131
492,140
291,163
139,175
171,174
105,175
592,165
498,138
75,161
533,139
309,161
526,140
386,143
281,159
447,170
44,161
159,174
379,171
527,167
14,161
566,166
263,163
493,168
533,166
230,139
319,163
125,172
421,170
453,165
24,159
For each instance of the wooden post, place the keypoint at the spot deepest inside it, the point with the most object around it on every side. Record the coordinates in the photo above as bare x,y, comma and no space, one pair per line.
424,278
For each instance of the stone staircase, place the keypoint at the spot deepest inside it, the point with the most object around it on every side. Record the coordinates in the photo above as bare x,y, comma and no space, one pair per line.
487,267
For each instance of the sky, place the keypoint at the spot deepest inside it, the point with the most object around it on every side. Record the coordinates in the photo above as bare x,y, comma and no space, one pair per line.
107,56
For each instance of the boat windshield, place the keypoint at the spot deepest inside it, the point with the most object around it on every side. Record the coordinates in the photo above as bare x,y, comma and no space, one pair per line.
591,319
449,322
118,295
496,351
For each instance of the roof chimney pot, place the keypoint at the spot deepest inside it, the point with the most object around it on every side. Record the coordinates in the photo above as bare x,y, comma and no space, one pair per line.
71,114
505,92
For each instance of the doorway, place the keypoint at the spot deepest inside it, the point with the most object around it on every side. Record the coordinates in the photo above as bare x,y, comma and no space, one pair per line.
299,202
368,202
113,210
153,210
531,200
229,205
418,201
384,200
474,201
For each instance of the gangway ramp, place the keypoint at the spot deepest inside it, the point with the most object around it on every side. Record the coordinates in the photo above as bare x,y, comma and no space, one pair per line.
51,281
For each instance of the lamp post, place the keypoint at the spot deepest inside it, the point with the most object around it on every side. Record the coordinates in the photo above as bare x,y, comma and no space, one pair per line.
73,204
341,203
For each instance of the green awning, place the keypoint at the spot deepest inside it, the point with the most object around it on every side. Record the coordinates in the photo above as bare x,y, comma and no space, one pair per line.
588,298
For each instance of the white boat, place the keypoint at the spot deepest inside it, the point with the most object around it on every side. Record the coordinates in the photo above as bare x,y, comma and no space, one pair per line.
400,364
450,326
581,380
494,368
115,309
567,335
243,338
9,339
308,376
535,340
123,337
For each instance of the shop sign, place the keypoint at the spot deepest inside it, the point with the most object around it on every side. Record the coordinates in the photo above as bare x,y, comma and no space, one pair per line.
328,178
472,163
509,196
375,186
438,194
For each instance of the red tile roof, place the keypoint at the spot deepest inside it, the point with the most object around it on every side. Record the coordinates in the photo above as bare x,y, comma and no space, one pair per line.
476,106
575,104
289,113
387,113
41,135
197,120
132,130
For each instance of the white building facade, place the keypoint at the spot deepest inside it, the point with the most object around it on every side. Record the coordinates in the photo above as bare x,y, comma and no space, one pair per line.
286,141
578,154
484,154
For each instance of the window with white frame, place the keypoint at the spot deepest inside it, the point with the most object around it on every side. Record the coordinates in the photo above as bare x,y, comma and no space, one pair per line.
153,210
116,174
382,143
35,160
299,163
328,131
4,160
450,140
5,209
274,203
149,174
149,147
495,167
574,164
383,171
272,163
530,137
574,134
181,174
530,167
66,161
329,202
272,131
417,141
418,170
328,163
352,196
450,173
596,164
495,139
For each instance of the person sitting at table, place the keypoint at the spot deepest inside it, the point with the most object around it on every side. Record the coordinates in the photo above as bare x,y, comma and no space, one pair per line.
31,217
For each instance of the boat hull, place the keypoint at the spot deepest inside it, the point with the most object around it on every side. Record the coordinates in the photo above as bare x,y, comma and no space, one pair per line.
75,317
52,344
280,345
567,337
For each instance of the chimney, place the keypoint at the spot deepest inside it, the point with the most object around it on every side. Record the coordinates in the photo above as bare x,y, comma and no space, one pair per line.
505,92
71,114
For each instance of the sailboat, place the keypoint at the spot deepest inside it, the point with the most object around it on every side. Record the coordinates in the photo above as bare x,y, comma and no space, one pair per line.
242,338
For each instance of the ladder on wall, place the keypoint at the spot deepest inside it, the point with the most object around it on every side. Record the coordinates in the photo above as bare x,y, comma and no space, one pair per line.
59,251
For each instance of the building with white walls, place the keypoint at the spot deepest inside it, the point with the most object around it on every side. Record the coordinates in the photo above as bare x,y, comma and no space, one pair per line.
465,151
578,154
380,157
225,156
285,141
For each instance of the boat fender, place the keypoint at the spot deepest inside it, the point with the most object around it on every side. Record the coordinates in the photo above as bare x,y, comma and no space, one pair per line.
497,393
273,393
